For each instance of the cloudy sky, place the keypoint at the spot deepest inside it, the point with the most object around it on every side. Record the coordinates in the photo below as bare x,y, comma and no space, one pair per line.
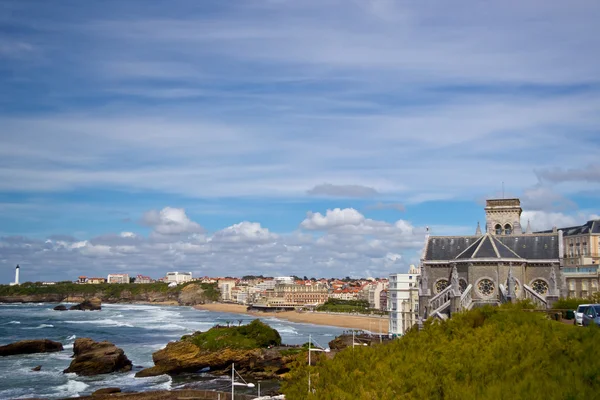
313,137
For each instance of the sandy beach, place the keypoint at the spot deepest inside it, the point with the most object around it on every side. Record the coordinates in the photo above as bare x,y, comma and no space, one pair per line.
373,324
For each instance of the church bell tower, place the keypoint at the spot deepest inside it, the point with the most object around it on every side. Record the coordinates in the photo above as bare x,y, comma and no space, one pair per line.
503,216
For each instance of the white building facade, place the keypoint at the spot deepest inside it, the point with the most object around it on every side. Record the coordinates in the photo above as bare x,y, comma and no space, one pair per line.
403,301
178,277
117,278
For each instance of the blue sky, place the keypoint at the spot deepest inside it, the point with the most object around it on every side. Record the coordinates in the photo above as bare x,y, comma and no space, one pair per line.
278,137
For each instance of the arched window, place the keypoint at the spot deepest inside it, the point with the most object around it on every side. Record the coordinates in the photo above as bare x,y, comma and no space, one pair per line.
507,229
498,229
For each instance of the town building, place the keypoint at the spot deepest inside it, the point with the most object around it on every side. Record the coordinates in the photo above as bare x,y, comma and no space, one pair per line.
81,279
581,258
383,300
302,295
347,293
374,293
143,279
178,277
95,281
403,301
225,286
492,267
284,279
117,278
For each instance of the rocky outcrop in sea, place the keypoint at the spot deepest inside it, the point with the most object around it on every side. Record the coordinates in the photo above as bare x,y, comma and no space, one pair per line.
255,349
30,347
94,358
93,304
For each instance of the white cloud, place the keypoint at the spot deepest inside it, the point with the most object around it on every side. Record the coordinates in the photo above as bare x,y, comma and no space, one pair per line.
545,220
332,218
170,221
246,232
343,243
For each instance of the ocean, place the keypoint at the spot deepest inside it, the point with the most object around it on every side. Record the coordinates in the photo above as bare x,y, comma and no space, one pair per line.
139,330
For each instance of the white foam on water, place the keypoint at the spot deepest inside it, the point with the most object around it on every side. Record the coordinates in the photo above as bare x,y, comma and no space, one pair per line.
72,337
103,322
12,322
72,388
40,326
167,327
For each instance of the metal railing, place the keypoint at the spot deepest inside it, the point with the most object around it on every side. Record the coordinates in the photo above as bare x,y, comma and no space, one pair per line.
466,298
536,298
442,297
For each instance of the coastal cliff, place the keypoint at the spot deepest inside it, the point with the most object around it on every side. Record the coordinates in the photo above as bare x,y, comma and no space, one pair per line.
186,294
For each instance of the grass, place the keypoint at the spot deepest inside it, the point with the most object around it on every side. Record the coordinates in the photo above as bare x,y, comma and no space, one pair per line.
245,337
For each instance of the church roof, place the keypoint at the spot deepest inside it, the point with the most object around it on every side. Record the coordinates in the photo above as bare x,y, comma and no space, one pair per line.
487,246
592,226
535,247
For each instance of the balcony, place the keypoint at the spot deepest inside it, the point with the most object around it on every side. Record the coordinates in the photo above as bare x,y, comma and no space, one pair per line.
581,270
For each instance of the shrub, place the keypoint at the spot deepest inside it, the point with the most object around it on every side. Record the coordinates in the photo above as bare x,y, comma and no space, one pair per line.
254,335
482,354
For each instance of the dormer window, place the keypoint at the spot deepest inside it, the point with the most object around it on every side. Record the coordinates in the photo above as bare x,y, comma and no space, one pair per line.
498,229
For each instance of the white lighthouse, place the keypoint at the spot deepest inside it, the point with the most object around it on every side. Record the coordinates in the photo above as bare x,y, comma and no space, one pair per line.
16,282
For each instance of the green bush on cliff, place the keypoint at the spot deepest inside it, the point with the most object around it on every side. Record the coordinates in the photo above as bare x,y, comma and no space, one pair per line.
254,335
486,353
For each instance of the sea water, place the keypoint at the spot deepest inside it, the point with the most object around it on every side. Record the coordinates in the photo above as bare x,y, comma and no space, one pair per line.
139,330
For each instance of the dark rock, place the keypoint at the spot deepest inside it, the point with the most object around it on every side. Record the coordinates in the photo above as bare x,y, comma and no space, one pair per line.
109,390
30,347
60,308
345,340
89,305
93,358
38,368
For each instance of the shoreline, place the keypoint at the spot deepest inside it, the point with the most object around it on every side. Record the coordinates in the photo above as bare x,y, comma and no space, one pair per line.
365,323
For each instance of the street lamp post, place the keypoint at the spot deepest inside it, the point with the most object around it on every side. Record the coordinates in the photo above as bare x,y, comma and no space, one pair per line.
313,349
233,382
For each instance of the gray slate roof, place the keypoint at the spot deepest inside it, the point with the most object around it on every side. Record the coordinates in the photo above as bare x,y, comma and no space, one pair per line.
533,247
592,226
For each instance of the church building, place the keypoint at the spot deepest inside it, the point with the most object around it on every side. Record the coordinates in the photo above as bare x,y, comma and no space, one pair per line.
497,265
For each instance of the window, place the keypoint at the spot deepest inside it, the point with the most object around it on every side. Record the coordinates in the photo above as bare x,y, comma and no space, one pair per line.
485,287
498,229
441,285
462,285
507,229
539,286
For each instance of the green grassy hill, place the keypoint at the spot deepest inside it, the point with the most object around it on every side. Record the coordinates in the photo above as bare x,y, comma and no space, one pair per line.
486,353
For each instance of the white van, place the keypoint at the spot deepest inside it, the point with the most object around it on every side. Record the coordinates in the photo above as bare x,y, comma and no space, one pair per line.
579,313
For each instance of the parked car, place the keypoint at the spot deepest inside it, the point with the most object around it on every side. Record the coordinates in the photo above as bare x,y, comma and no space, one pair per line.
592,315
579,313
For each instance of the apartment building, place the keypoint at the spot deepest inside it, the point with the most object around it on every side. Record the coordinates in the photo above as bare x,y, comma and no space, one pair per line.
225,286
299,294
403,301
118,278
178,277
581,258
